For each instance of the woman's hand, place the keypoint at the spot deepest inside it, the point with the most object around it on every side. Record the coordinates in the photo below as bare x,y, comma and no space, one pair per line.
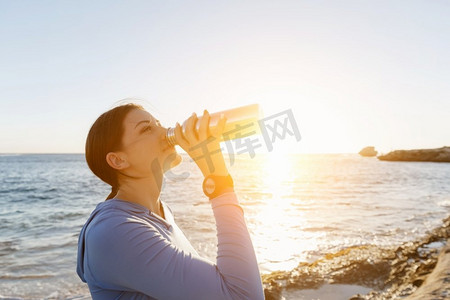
203,146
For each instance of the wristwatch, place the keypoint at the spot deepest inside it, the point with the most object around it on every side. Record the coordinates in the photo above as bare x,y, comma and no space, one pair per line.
214,185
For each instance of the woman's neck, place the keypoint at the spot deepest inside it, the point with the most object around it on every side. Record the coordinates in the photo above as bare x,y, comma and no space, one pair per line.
143,191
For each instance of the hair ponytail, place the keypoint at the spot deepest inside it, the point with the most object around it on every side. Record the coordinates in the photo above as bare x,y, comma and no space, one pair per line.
114,191
105,136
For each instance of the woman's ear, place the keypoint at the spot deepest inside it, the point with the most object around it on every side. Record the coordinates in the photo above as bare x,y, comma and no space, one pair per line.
117,160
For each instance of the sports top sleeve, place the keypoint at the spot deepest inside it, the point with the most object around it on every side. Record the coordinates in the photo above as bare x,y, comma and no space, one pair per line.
130,255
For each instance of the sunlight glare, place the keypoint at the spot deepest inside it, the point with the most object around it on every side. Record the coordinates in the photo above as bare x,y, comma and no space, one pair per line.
280,212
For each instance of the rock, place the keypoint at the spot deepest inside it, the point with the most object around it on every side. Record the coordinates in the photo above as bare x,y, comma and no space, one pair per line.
434,155
436,285
368,151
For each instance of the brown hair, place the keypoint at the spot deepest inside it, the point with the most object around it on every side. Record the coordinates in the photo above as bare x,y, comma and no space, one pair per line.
105,136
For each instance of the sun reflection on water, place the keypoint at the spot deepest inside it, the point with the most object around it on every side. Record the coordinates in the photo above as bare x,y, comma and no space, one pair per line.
280,242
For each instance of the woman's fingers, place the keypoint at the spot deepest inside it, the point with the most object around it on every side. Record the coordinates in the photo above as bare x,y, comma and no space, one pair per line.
190,136
179,137
190,131
203,131
220,126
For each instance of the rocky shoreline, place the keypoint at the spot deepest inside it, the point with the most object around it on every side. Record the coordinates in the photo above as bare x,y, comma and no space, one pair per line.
391,273
437,284
433,155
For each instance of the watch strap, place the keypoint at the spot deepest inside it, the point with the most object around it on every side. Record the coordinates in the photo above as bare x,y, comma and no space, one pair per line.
214,185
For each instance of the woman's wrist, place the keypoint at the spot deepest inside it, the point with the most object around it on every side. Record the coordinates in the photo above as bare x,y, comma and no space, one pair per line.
216,172
214,167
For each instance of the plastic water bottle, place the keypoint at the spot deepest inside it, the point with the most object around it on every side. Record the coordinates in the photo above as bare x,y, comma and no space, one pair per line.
241,122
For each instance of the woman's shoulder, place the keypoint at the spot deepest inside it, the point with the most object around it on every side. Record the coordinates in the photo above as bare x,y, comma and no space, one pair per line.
114,215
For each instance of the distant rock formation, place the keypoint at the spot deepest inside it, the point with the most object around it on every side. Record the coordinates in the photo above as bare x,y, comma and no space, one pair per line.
368,151
435,155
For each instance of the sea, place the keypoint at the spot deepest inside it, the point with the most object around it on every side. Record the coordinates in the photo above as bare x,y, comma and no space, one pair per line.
299,208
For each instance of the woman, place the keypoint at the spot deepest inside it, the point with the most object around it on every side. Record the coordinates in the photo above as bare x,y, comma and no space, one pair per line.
130,247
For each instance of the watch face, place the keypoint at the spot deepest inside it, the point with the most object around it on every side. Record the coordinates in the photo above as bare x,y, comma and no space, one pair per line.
210,186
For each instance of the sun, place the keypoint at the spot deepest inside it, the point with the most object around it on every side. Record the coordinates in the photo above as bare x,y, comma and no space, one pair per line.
277,170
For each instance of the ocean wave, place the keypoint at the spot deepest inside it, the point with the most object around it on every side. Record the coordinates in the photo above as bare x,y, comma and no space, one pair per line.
39,197
60,216
53,246
319,229
8,247
29,276
52,296
387,271
18,190
444,203
10,298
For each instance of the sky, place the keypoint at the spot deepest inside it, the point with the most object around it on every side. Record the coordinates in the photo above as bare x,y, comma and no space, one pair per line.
353,73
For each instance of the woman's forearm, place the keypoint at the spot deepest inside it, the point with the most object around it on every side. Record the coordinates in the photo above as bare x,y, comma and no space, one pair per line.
236,258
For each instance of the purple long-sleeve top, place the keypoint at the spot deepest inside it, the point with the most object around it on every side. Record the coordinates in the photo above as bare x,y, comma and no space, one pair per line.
127,252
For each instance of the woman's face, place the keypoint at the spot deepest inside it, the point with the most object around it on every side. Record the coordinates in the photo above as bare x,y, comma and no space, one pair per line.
144,145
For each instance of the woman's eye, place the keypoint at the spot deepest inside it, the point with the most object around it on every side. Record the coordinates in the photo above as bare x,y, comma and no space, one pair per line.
147,128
